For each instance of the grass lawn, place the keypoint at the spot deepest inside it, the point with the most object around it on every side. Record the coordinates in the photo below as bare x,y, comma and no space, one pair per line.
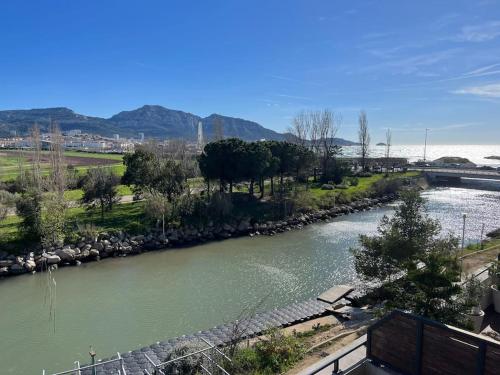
9,162
77,194
122,217
364,184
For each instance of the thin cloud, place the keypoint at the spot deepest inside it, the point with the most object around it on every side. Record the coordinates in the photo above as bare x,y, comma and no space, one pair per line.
480,33
293,96
413,64
290,79
487,91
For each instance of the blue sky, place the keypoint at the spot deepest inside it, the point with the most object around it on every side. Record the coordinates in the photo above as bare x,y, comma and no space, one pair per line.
408,64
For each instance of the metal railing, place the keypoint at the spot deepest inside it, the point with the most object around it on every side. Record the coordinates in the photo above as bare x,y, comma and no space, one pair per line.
334,359
78,369
209,354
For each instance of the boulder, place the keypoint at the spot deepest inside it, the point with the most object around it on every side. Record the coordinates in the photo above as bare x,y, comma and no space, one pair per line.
66,255
30,265
4,271
93,252
17,268
51,258
6,263
99,246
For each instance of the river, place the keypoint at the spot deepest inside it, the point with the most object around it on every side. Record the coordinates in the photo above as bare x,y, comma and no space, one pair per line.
124,303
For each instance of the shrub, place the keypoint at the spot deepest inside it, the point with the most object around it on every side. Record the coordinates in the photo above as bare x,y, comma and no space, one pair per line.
353,181
88,231
277,352
302,201
135,227
386,186
273,354
343,198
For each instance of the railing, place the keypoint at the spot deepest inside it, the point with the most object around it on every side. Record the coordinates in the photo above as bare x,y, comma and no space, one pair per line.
78,369
209,353
415,345
334,359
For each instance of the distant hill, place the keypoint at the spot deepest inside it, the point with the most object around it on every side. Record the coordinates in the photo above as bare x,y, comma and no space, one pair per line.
153,120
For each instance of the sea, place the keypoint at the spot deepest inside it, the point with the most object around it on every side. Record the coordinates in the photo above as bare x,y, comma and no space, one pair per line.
475,153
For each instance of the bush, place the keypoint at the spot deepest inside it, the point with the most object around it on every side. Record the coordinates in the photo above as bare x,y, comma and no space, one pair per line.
87,231
278,352
135,227
386,186
343,198
327,200
302,201
273,354
353,181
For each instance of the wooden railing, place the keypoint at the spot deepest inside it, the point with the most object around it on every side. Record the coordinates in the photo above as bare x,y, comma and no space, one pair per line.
414,345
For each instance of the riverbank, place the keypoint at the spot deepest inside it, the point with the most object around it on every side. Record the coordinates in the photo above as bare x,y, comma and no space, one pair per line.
121,244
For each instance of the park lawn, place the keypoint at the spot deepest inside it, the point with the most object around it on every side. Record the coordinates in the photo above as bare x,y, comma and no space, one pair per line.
95,155
363,186
77,194
122,217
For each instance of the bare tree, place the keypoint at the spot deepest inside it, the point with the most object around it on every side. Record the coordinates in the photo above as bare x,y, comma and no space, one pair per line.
36,160
388,141
364,138
300,128
57,162
328,126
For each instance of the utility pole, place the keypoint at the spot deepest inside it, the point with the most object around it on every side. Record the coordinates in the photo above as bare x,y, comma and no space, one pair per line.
425,143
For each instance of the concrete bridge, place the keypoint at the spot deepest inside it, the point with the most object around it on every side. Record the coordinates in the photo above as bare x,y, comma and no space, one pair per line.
455,174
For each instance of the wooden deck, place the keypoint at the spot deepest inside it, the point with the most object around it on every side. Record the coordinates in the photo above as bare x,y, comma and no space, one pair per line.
332,295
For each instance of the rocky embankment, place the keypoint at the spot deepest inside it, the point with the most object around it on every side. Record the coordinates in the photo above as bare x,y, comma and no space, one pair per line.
122,244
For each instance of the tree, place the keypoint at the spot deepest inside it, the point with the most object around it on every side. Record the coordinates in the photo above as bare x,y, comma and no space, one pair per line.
53,220
149,170
99,189
388,142
57,181
7,201
300,129
410,263
328,125
222,160
256,159
364,139
158,207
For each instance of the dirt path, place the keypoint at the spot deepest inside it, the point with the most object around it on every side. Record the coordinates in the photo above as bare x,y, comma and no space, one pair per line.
475,261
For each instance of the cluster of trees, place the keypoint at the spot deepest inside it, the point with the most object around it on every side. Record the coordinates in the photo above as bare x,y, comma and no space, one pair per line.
411,266
159,176
232,160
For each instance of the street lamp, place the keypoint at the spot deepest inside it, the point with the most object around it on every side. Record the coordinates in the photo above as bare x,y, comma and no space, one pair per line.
464,216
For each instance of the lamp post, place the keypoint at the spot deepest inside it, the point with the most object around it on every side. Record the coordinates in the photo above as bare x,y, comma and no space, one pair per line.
464,216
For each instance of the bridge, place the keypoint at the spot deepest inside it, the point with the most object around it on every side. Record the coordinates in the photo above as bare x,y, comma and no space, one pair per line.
454,174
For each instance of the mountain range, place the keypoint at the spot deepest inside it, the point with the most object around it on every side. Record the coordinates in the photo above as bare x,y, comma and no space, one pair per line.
153,120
